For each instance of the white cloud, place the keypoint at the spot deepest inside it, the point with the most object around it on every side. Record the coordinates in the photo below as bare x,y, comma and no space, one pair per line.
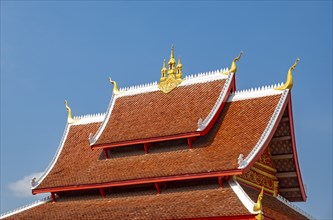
22,187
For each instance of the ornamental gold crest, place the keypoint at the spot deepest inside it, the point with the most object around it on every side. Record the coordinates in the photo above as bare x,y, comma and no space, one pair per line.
169,84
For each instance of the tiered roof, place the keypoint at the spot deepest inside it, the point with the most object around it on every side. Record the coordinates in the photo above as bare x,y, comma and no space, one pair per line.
186,142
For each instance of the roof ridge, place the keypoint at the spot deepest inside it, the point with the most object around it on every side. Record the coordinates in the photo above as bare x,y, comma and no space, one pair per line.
152,86
294,207
89,116
25,207
242,195
255,92
259,88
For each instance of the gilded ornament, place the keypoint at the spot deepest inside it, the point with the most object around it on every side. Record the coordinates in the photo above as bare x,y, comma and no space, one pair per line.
70,119
289,82
115,87
174,77
258,206
233,68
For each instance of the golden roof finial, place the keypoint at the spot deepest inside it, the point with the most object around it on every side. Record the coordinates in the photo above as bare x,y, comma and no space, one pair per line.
289,82
174,78
233,67
70,119
179,68
258,206
163,71
115,87
172,60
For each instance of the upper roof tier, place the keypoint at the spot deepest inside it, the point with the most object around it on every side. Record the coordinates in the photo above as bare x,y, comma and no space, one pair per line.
146,114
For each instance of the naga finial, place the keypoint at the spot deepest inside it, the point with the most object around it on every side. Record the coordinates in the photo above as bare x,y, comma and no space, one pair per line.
289,82
258,206
70,119
115,87
233,67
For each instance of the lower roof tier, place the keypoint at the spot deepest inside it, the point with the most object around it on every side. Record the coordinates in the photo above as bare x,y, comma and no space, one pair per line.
189,200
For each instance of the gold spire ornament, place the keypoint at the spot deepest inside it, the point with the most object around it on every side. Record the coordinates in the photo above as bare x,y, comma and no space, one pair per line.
179,68
163,71
233,68
174,77
115,87
70,119
289,82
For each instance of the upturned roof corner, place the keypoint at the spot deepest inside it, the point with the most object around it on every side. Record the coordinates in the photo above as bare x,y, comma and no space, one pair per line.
289,82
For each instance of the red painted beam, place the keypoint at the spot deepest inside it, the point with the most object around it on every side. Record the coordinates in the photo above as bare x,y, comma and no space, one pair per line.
158,188
102,191
141,181
220,180
146,147
53,197
293,143
189,141
106,153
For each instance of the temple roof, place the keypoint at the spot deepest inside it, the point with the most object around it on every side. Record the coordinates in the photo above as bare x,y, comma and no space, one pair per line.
145,114
186,200
242,128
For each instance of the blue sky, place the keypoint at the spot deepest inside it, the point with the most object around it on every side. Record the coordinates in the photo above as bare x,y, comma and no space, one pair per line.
51,51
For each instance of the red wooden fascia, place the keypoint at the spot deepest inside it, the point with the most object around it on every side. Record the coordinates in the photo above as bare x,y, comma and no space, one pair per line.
269,138
225,173
293,142
193,134
236,217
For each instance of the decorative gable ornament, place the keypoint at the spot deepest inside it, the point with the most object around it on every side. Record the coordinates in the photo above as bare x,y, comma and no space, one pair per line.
170,81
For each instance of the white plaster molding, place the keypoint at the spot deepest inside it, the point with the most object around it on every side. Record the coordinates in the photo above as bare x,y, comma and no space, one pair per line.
87,119
217,104
93,138
26,207
294,207
188,80
254,93
266,132
243,197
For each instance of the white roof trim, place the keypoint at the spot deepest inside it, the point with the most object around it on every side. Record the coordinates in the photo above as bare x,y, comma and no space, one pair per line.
188,80
26,207
254,93
243,163
202,124
151,87
93,139
294,207
87,119
243,197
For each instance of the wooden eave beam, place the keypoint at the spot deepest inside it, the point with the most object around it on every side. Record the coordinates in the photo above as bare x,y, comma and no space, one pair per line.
286,175
294,189
282,156
282,138
140,181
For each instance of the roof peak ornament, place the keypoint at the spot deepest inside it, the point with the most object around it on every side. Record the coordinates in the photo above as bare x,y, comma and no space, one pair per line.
233,68
170,81
289,82
70,119
115,87
258,206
